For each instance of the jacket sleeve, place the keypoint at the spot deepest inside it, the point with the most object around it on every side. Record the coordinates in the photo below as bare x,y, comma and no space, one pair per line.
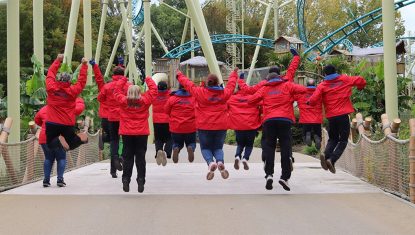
298,89
230,87
257,97
317,95
250,89
151,94
38,117
120,97
188,85
77,88
168,105
79,106
102,96
358,81
295,62
51,83
99,79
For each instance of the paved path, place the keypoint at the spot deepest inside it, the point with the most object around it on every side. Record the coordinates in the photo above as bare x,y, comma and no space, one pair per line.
179,200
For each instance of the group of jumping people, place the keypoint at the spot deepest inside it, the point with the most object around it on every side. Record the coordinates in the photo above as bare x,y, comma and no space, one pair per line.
208,109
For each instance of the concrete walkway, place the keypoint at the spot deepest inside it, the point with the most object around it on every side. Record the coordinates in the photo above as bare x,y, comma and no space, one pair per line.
179,200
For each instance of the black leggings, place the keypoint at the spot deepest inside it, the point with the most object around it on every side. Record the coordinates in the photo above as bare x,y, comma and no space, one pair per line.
162,138
105,130
339,130
53,131
135,147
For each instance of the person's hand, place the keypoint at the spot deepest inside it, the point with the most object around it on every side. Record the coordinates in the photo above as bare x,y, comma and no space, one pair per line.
293,51
92,62
121,60
84,60
60,57
242,76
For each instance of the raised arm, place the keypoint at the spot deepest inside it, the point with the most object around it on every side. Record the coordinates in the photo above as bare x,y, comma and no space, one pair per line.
358,81
188,85
151,94
76,89
290,74
230,87
51,83
99,79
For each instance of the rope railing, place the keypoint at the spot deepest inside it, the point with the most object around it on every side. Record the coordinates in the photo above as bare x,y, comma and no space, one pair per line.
385,162
22,163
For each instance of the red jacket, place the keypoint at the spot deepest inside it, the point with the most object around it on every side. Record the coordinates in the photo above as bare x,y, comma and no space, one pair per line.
335,91
243,116
103,111
180,108
210,105
277,96
40,118
290,74
62,95
106,95
309,114
134,118
159,115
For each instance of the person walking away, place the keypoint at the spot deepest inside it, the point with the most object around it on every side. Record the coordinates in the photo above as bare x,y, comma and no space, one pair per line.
335,92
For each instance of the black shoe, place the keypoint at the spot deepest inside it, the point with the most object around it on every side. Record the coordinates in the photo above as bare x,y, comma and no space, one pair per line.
140,185
117,163
270,180
126,186
330,166
46,183
284,184
114,175
61,183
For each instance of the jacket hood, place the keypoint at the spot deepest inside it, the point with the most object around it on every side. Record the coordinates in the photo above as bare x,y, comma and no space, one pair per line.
331,77
182,93
215,88
311,88
274,81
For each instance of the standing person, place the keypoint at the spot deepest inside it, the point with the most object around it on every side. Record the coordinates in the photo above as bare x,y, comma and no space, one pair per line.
134,128
244,119
335,92
57,154
61,101
181,110
311,117
162,135
106,95
103,111
278,115
211,118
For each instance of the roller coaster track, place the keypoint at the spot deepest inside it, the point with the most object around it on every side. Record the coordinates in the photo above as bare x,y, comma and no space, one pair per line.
338,36
219,39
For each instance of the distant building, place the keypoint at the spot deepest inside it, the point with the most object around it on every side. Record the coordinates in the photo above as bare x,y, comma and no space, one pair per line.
284,43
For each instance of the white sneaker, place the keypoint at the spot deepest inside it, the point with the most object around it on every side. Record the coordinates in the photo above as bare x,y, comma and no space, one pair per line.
284,184
236,164
269,181
164,158
159,157
245,163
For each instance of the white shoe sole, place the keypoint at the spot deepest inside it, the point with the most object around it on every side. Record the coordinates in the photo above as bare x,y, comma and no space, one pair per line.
164,159
159,157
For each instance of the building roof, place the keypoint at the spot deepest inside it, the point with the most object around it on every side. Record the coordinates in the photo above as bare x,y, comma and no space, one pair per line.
197,61
357,51
289,39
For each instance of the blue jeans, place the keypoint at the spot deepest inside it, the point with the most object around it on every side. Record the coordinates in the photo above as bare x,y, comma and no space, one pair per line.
50,155
211,144
179,139
245,140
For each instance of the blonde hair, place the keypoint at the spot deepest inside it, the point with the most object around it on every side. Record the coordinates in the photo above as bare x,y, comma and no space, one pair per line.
133,95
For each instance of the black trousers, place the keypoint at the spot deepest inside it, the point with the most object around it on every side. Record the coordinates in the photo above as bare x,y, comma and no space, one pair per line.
314,130
114,143
135,148
281,130
245,141
162,138
105,130
53,131
339,130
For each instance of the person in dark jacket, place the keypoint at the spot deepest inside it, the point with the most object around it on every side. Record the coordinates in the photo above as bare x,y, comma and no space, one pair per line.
182,122
311,117
335,92
162,135
211,118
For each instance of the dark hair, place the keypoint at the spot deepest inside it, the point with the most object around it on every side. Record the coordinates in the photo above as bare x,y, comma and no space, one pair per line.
311,82
212,80
162,86
274,69
118,70
181,87
329,69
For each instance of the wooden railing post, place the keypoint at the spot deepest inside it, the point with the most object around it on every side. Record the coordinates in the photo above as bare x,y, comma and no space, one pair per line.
412,161
367,124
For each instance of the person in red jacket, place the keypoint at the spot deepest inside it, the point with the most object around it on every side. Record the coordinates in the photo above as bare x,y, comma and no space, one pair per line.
162,135
106,95
311,117
58,154
134,128
211,118
278,115
181,110
244,119
335,92
103,111
61,101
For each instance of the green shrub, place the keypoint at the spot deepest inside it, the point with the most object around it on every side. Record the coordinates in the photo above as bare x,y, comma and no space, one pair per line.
310,150
230,137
